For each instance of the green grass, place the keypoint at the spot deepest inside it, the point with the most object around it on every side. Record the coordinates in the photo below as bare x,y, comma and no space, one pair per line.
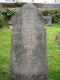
4,52
53,52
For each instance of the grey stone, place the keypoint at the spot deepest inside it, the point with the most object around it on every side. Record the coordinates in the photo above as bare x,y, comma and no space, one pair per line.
57,38
28,50
48,20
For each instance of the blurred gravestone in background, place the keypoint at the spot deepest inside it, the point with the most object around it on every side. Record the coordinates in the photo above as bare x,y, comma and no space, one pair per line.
57,38
28,46
48,20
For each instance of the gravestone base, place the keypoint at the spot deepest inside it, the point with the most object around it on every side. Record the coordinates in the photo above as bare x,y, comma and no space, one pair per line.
24,77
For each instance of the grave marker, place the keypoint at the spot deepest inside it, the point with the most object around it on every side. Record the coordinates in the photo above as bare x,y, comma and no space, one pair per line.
28,48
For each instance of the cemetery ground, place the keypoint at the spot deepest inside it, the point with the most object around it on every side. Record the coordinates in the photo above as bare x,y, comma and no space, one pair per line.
53,52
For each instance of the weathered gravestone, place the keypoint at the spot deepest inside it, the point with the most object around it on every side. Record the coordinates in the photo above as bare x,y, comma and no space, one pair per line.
57,38
28,51
48,20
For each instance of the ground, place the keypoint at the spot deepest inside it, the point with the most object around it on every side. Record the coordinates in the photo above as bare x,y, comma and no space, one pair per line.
53,52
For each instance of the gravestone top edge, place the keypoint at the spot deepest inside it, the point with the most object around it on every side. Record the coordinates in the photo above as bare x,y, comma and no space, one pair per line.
22,10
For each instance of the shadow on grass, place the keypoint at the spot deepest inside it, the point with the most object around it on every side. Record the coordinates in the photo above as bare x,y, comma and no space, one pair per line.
54,75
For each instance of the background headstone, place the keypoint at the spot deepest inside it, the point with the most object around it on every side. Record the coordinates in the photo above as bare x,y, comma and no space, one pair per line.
28,48
57,38
48,20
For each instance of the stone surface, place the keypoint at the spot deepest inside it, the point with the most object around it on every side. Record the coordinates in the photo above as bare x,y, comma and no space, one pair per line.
28,50
57,38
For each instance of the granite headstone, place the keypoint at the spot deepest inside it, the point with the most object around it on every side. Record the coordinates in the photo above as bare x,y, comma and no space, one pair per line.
28,46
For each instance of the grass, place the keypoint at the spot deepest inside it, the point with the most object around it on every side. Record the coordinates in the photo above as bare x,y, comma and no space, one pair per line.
4,52
53,52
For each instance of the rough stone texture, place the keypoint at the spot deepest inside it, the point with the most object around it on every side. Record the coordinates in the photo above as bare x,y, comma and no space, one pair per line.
57,39
28,51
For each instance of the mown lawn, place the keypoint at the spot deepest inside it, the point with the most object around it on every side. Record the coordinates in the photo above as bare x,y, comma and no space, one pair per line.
53,52
4,52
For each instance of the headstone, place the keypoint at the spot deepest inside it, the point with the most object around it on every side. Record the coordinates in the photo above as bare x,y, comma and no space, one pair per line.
57,38
48,20
28,48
